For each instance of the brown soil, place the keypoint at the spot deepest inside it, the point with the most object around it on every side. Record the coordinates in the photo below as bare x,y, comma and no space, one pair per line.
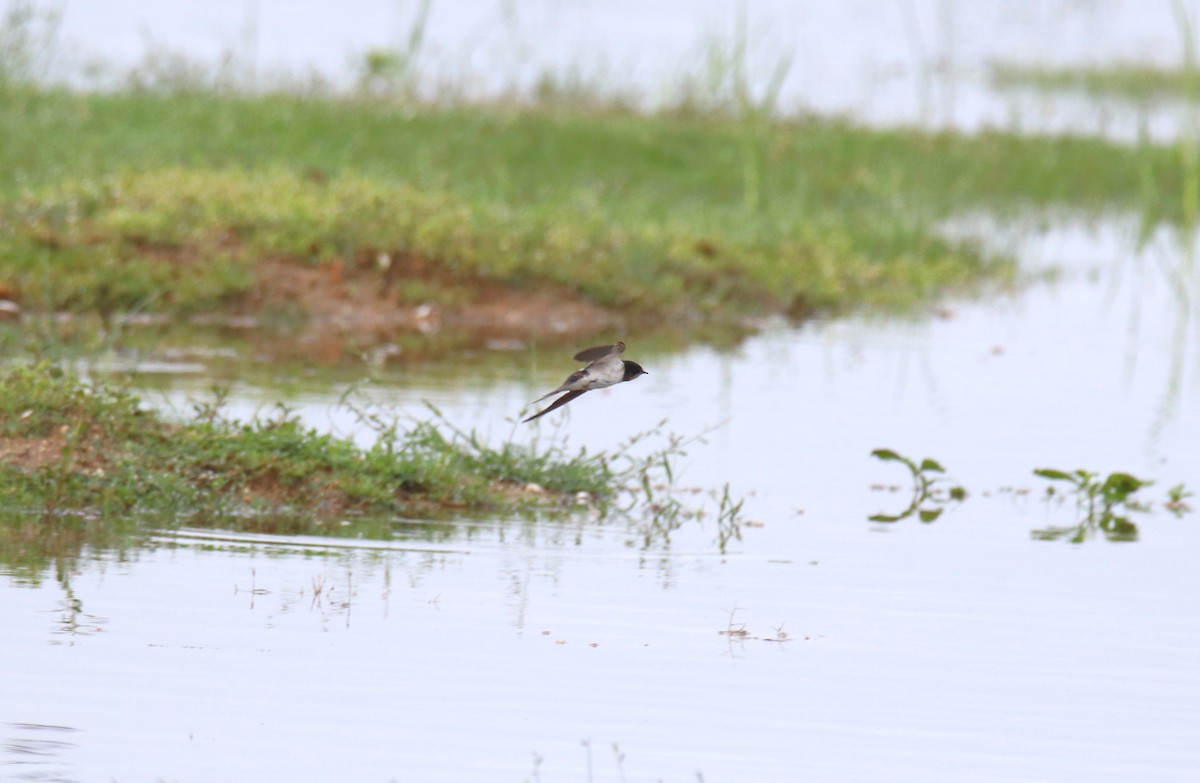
31,453
362,301
332,309
40,453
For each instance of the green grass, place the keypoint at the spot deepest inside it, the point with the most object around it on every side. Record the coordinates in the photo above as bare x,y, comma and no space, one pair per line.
165,202
645,213
1161,181
90,461
660,169
1131,81
187,239
87,464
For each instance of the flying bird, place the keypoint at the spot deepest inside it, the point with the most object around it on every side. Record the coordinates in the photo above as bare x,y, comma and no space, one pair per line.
605,368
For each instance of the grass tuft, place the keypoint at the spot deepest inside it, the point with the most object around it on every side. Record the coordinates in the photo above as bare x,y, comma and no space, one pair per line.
182,240
86,464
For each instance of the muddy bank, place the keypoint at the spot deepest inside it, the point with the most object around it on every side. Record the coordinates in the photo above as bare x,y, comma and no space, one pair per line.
331,311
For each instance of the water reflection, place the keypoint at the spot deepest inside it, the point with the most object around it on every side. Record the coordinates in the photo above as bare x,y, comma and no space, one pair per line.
225,648
36,752
928,498
1165,259
73,620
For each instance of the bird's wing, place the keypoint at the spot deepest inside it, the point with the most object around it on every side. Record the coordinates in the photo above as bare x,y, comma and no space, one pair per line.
599,352
561,401
572,379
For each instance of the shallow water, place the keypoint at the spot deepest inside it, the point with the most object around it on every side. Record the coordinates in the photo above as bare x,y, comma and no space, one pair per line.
921,61
950,652
1099,367
573,650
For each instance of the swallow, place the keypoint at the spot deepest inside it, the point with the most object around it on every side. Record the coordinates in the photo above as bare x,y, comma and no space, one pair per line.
605,368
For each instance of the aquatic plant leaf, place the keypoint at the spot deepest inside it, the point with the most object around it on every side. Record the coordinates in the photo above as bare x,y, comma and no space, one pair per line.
1118,528
930,514
1119,486
1055,475
1176,504
931,466
1178,492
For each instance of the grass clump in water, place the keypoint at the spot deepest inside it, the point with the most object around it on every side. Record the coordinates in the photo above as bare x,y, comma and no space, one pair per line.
89,456
651,215
1132,81
87,465
184,240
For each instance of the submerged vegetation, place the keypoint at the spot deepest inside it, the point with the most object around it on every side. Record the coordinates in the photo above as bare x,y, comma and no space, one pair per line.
1104,504
929,496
